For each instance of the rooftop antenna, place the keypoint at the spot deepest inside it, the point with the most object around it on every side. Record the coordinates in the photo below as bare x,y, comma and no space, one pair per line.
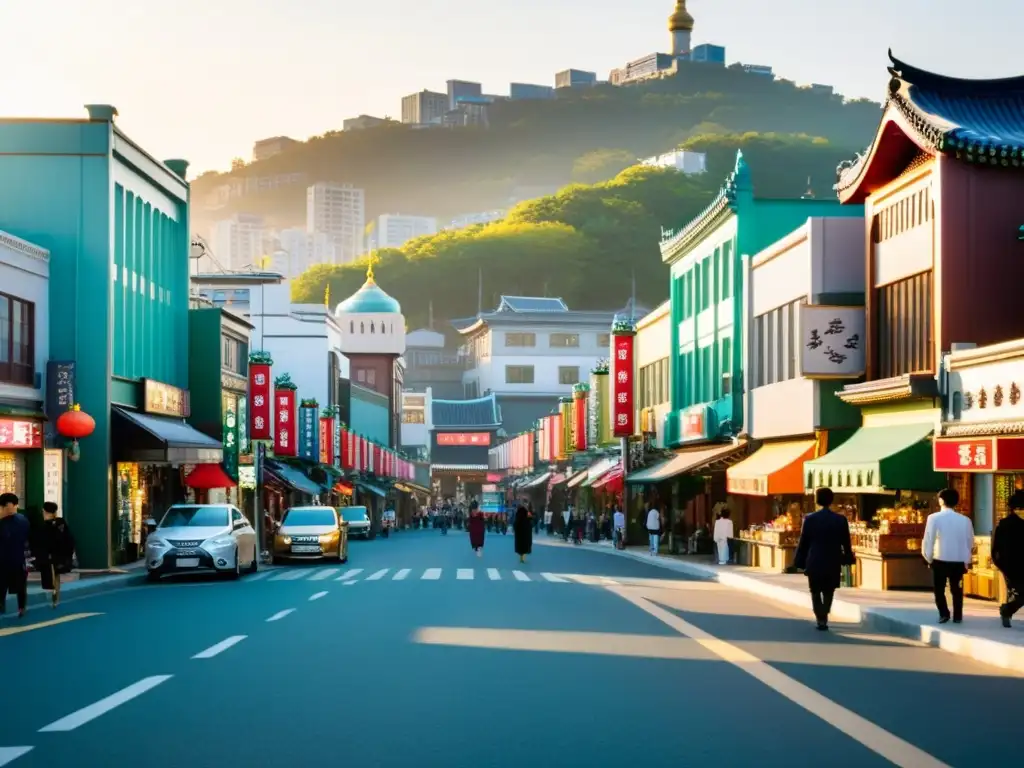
809,194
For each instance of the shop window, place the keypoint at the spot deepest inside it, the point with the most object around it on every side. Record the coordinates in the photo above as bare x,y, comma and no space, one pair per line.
17,341
412,416
12,474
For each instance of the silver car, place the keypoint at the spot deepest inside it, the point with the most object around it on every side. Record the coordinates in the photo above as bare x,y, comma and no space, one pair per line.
201,537
358,519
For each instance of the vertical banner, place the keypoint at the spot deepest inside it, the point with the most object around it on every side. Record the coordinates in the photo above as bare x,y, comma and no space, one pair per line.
599,394
337,432
581,414
327,440
622,379
285,416
261,422
242,417
346,449
568,441
309,430
229,406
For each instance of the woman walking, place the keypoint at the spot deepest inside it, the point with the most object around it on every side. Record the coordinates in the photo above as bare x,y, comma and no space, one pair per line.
476,529
722,533
54,551
522,527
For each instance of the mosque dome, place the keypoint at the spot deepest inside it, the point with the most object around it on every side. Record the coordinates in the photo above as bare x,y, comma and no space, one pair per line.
370,299
680,20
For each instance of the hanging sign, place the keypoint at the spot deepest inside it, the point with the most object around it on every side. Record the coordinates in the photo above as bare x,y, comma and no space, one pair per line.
60,387
622,385
164,400
229,403
337,448
260,414
309,433
285,433
327,440
17,433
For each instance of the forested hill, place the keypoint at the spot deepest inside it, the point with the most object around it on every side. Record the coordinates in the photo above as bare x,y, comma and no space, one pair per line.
582,136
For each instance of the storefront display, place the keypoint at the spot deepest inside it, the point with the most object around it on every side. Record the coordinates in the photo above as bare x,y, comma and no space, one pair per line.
12,473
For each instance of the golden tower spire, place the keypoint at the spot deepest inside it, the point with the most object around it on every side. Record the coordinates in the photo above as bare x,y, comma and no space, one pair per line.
680,20
372,259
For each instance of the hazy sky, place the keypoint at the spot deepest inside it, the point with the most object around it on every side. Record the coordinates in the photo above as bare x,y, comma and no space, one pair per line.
206,79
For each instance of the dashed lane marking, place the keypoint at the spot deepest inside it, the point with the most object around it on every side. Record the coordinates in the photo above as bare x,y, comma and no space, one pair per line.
400,575
431,574
326,573
101,707
348,575
554,578
377,576
223,645
281,614
317,596
259,576
349,583
290,575
10,754
7,631
464,574
520,576
493,575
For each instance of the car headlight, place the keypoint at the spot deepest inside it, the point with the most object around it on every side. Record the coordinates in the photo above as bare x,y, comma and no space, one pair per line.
286,540
218,542
156,543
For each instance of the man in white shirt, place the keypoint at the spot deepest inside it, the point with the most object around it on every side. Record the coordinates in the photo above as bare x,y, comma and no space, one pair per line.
653,528
618,528
950,555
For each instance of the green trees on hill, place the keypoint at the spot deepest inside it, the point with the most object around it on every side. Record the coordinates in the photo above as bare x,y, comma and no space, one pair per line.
585,243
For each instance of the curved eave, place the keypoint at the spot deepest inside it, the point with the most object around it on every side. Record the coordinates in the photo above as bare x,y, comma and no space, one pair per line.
709,219
472,328
933,81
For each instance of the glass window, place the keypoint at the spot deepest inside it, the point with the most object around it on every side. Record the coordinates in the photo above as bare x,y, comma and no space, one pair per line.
520,340
303,516
195,517
568,374
412,416
604,340
564,340
17,341
726,378
727,270
705,283
519,374
354,514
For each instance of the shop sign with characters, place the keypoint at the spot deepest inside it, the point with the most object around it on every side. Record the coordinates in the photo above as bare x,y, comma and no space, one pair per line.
17,433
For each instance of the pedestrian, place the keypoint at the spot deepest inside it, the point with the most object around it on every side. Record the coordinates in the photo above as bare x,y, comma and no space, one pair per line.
14,532
476,529
619,526
1008,556
722,533
567,522
948,545
823,550
653,528
522,528
54,551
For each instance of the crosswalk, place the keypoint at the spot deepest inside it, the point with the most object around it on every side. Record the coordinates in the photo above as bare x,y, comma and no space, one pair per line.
351,575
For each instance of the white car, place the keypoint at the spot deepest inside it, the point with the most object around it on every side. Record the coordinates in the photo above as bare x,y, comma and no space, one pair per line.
201,537
358,519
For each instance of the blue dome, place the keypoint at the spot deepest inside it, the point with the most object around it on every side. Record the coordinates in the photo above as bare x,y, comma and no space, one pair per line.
370,299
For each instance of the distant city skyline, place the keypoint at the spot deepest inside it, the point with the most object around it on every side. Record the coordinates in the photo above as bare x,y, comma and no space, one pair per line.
205,79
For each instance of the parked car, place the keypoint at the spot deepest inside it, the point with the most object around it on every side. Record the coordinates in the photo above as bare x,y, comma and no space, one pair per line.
358,519
310,533
201,537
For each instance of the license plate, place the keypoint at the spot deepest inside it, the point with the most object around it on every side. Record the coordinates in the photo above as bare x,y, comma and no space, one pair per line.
187,553
305,548
188,562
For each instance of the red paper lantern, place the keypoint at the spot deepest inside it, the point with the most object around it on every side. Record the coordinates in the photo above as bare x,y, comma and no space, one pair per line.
75,423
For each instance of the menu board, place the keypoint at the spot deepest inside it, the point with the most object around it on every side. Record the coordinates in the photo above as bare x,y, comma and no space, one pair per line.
53,477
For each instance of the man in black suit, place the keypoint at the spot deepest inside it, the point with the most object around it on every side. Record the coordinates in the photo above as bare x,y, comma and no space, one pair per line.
823,551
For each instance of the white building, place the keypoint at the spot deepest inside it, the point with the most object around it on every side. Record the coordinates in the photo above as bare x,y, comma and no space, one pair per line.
653,396
481,217
417,422
684,162
338,210
24,319
303,250
529,352
393,230
275,145
237,242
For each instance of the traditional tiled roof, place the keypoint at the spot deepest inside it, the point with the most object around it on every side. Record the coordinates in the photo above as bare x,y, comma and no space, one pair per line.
482,412
976,121
912,386
675,241
531,304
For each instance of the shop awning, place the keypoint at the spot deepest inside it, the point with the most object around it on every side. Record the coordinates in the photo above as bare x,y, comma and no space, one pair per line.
689,460
207,476
141,438
292,478
411,487
594,471
371,488
576,479
774,469
609,481
536,481
342,488
558,479
878,460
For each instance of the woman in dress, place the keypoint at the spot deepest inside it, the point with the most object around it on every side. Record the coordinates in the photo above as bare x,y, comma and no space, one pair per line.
522,527
476,529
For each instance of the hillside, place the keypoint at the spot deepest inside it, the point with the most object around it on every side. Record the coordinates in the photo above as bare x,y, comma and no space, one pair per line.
584,243
584,136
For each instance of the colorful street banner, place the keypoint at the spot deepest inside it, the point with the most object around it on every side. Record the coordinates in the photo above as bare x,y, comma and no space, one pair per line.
261,422
285,417
336,451
230,405
242,417
327,440
622,384
309,433
581,414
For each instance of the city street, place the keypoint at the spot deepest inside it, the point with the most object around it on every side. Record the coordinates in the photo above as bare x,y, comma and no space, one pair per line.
417,653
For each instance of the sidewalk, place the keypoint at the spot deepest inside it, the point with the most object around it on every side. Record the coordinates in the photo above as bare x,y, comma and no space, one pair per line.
85,582
906,614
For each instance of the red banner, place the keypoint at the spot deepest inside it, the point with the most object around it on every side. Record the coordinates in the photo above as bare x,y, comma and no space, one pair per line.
18,433
260,422
285,423
580,414
622,383
985,454
326,439
378,460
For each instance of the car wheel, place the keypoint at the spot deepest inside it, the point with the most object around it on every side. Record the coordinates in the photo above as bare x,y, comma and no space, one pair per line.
235,574
152,576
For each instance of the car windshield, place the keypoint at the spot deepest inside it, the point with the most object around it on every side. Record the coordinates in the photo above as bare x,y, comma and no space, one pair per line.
195,517
310,516
354,514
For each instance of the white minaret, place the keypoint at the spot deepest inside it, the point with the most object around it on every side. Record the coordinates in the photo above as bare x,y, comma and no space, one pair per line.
680,24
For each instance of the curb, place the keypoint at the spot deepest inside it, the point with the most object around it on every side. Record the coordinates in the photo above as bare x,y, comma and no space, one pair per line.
88,587
980,649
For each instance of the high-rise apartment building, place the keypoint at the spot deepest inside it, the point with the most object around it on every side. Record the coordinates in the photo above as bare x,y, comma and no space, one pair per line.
338,210
459,90
237,242
393,230
298,250
424,108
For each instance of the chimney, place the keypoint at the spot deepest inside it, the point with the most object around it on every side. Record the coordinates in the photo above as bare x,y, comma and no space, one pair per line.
178,166
101,112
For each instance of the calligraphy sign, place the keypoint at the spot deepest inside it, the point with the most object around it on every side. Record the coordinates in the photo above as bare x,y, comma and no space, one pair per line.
285,432
309,433
964,455
165,400
230,408
260,396
622,385
60,387
17,433
832,341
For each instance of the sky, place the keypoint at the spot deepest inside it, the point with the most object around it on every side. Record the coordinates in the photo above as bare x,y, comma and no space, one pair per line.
204,79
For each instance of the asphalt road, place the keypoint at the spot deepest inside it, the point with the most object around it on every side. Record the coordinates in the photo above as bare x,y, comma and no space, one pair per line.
418,654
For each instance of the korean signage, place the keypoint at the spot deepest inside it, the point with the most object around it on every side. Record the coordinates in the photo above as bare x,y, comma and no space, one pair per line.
164,400
464,438
60,387
230,411
260,420
16,433
309,433
984,454
285,432
622,385
832,341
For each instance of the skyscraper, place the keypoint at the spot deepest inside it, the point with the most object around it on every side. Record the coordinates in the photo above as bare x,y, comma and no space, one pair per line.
338,210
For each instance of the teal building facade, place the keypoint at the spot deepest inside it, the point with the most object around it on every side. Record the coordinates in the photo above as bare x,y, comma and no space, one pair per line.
706,273
116,223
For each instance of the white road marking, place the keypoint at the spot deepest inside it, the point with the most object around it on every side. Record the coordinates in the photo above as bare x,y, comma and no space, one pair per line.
326,573
101,707
609,582
464,574
400,575
493,575
349,583
349,574
281,614
553,578
10,754
877,739
317,596
378,575
220,647
259,576
431,574
520,576
289,575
